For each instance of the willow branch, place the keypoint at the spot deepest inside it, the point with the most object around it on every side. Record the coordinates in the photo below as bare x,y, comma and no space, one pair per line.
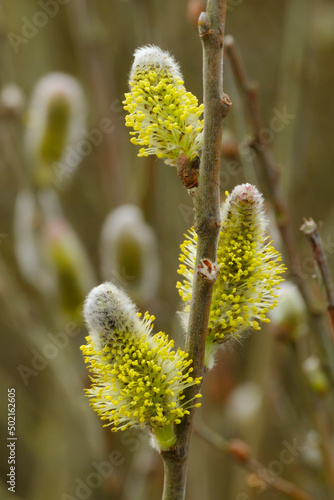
240,452
250,93
89,45
207,225
311,231
271,173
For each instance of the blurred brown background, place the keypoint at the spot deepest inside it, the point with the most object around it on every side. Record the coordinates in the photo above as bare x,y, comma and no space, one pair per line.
254,392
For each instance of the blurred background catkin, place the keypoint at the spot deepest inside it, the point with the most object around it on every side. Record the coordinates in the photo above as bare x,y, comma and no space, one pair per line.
78,207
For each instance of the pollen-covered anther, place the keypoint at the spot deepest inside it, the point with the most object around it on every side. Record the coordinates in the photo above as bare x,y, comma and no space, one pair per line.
250,271
165,118
137,378
208,270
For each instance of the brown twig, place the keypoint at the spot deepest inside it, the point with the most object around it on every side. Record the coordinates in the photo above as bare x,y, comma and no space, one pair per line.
207,224
319,416
271,173
311,231
241,453
87,41
250,94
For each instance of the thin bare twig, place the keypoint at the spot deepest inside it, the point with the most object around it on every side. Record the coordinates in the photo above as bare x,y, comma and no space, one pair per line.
207,225
88,44
240,452
311,231
320,418
250,94
271,173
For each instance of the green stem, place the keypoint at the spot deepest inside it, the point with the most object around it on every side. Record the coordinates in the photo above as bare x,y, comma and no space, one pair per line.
175,476
165,437
207,225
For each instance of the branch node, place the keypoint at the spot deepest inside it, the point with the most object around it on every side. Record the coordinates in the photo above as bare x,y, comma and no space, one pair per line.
208,270
204,25
229,41
188,171
309,226
226,105
240,450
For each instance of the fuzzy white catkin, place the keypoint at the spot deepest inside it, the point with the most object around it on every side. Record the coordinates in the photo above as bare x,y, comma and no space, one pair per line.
127,222
244,405
40,234
290,312
107,309
53,86
138,380
28,239
67,256
12,99
311,451
151,55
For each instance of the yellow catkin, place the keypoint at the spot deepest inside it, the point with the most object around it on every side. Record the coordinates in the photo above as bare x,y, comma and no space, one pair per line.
165,118
250,268
137,378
